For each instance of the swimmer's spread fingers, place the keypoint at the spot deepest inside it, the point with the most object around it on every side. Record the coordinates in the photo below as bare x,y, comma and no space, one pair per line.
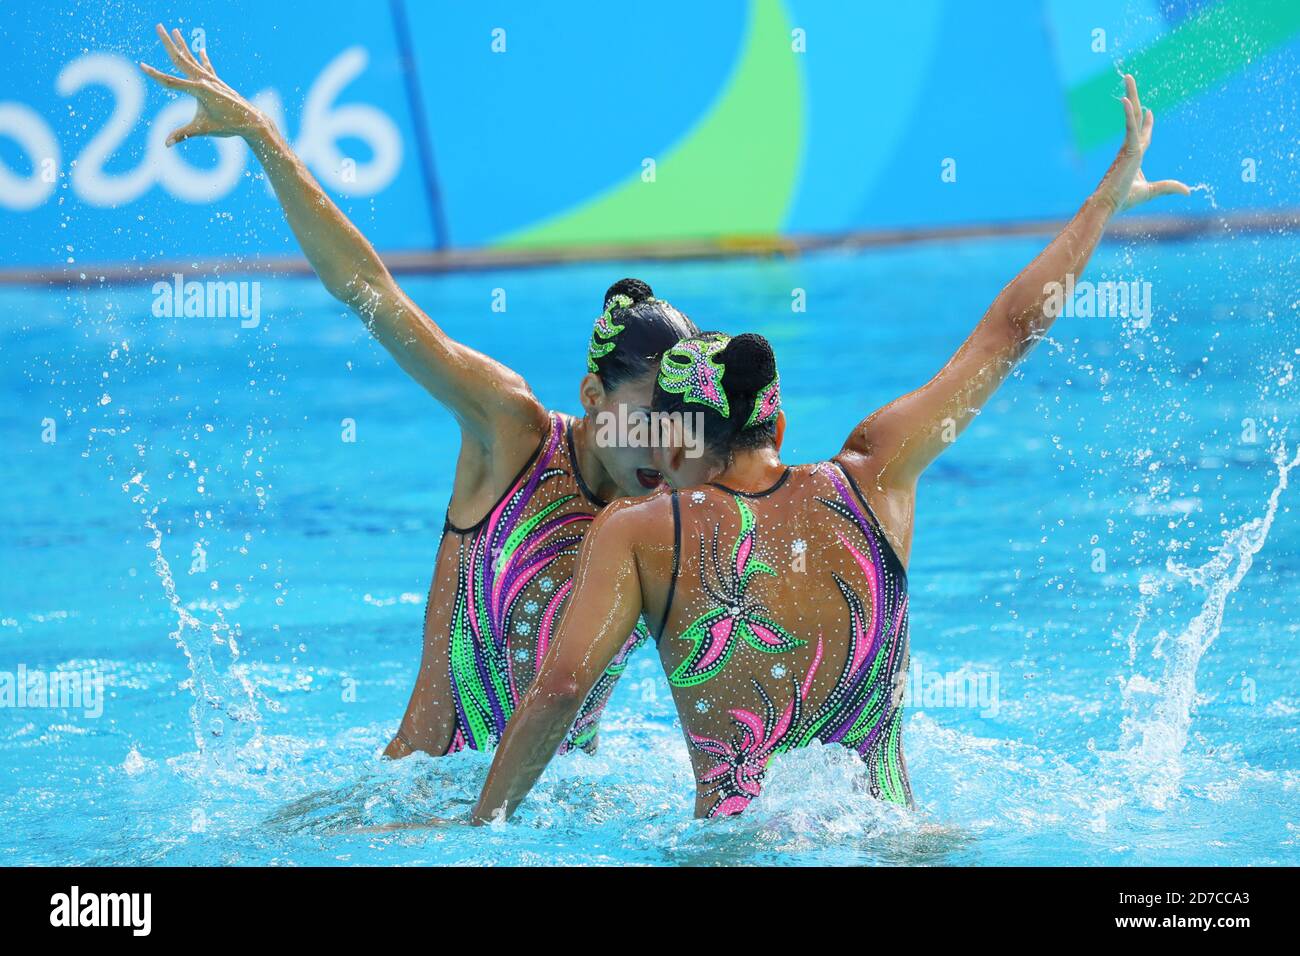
221,110
192,128
187,53
1138,123
167,80
1144,118
1131,92
207,64
174,43
1169,187
187,83
195,126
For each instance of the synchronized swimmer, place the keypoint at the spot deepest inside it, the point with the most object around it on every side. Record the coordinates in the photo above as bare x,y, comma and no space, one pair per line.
528,481
776,595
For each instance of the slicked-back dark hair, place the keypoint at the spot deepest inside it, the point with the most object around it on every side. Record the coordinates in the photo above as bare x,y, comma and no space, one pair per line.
650,327
749,367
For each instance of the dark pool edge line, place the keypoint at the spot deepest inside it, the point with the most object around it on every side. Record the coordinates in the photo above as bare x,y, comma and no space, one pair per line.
431,262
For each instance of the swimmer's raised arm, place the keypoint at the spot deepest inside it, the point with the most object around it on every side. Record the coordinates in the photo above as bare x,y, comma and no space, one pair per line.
896,443
486,397
603,609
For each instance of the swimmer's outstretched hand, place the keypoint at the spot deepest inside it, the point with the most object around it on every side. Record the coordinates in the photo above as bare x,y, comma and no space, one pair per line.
1124,183
221,111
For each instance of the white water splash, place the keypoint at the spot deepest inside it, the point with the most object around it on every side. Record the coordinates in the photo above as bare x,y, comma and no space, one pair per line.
222,695
1158,711
1206,188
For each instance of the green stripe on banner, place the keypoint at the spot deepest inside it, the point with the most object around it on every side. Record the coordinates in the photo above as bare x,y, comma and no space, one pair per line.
1185,61
734,174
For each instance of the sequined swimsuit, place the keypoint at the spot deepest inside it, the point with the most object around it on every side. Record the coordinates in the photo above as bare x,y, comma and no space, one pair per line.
786,624
512,574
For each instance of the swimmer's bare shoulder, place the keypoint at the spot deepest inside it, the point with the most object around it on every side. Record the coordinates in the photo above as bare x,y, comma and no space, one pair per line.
645,528
892,498
644,524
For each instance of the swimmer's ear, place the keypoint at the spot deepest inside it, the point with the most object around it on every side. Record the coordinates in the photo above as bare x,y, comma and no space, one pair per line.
780,428
591,393
676,454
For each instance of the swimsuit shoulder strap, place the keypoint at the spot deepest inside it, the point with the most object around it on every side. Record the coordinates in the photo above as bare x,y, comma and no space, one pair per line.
677,563
448,526
567,422
866,506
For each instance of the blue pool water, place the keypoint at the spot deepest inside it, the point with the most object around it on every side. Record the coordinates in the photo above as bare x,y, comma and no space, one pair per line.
1110,543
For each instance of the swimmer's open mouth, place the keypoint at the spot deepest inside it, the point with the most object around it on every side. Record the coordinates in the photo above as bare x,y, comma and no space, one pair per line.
649,478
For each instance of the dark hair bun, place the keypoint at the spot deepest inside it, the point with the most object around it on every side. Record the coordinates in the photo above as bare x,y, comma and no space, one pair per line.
750,365
634,289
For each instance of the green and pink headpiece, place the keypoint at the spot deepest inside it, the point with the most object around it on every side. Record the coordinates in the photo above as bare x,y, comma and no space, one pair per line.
605,331
691,369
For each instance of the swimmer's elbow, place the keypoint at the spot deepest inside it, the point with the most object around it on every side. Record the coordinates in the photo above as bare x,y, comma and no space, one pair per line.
557,691
363,290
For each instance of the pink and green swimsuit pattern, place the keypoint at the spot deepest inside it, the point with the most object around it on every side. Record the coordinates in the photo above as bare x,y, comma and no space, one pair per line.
786,625
514,572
